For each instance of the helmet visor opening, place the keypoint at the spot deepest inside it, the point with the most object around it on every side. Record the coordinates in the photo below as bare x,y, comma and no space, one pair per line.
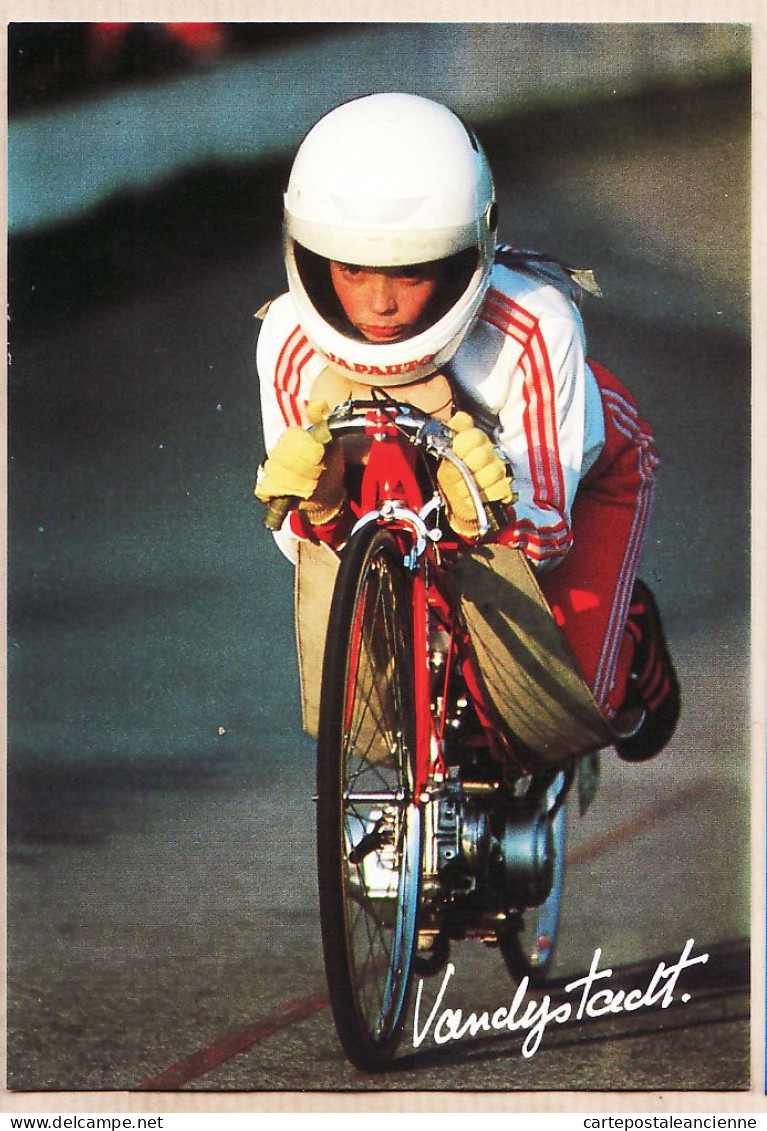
456,275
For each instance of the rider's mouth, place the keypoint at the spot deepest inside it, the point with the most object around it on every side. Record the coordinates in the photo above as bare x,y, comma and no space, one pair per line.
382,333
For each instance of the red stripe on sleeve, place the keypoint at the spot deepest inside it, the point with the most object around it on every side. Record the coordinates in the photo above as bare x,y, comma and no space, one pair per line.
293,356
539,419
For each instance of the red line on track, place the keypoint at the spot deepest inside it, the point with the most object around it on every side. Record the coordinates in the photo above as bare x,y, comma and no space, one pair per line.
224,1049
204,1061
644,820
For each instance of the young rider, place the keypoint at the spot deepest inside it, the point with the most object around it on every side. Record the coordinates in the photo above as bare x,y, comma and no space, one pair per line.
396,282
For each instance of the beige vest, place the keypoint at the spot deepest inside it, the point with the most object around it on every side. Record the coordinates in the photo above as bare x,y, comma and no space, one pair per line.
525,663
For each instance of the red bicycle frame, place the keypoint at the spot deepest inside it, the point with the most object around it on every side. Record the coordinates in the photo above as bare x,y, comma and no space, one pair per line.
390,477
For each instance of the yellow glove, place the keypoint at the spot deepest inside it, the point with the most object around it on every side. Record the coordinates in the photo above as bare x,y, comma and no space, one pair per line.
306,465
476,450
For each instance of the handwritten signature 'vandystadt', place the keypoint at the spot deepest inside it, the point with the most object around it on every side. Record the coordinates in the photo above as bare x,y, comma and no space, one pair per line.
534,1016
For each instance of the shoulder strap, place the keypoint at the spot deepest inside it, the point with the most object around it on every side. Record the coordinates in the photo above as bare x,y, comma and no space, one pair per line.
553,270
262,312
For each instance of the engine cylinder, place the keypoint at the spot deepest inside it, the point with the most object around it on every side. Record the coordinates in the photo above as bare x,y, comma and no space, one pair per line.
527,852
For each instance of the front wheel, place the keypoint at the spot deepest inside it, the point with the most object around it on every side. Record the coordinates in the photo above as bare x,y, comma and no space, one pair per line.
528,938
369,824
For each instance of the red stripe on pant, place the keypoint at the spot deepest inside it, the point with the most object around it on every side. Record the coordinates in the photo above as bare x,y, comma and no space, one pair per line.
590,591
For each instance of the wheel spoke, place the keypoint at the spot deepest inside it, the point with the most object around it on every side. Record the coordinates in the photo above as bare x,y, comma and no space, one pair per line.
372,687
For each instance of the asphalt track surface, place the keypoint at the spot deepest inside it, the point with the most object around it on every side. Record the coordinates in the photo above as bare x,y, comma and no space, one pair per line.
163,930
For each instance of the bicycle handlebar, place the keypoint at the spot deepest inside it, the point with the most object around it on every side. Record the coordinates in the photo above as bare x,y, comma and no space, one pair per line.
420,429
277,511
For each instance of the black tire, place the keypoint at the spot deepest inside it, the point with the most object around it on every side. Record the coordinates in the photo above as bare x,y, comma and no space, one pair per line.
369,826
528,941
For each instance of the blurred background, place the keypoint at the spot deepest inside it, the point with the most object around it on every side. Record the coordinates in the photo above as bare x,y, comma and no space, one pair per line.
161,877
154,100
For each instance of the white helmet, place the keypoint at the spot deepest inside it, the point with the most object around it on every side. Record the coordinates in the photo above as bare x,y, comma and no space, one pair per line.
389,180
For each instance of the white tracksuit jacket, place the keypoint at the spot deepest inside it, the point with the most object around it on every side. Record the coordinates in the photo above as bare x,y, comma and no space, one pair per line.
522,372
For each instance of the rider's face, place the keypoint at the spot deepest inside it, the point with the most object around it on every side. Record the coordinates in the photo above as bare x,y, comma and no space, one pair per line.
385,304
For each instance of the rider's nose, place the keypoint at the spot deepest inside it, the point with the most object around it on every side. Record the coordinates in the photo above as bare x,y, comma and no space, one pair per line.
382,296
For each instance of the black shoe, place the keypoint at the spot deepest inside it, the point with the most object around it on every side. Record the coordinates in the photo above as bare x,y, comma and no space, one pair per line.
653,684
